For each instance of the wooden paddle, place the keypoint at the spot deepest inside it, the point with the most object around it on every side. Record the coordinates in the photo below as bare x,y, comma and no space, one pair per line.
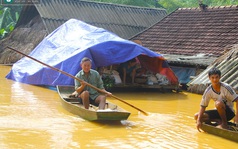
67,74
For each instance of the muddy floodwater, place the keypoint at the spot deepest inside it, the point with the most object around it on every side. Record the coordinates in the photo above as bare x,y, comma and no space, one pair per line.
31,117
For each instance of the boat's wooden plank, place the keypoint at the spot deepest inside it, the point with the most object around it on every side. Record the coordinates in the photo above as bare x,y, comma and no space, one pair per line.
224,133
73,99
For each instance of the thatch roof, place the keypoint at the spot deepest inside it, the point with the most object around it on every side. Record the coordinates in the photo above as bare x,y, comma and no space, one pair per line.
228,65
24,38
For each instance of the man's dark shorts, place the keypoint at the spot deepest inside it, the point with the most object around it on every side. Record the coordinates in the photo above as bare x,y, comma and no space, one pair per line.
213,114
91,101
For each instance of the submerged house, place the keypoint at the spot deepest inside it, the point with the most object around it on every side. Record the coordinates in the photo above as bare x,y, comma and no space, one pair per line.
38,20
61,50
192,38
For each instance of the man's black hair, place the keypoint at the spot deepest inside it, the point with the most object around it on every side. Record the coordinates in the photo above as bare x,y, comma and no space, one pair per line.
214,71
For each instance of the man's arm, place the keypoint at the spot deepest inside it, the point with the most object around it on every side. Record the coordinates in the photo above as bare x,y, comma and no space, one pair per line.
81,87
235,96
106,92
199,119
236,116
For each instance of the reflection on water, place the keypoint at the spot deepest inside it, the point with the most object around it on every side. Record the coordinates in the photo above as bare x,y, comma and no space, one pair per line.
32,117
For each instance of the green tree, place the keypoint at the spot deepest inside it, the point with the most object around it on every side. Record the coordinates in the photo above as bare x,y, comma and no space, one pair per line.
172,5
8,19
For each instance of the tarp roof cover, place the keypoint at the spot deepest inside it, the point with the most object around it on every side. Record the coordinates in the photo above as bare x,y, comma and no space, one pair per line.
67,45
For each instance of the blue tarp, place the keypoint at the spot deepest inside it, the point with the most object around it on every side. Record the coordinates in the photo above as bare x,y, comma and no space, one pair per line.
66,46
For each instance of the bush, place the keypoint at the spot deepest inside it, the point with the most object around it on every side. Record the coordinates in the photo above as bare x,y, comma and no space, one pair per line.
108,81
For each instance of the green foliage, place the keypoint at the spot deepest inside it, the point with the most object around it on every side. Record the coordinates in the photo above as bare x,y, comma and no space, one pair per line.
108,81
171,5
8,20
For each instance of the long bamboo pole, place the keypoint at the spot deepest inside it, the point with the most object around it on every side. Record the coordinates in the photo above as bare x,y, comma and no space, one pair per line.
67,74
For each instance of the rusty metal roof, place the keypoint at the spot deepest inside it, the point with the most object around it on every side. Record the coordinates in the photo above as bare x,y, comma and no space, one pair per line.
125,21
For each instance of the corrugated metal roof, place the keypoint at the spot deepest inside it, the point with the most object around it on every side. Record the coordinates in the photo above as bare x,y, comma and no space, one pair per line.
228,65
124,21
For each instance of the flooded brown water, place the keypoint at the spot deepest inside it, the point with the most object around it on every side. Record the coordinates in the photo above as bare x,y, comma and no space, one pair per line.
32,117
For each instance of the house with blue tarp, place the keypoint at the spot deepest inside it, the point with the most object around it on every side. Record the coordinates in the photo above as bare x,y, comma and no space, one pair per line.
68,44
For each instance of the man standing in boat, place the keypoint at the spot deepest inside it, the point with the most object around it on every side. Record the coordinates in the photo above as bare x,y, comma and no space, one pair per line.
224,97
87,94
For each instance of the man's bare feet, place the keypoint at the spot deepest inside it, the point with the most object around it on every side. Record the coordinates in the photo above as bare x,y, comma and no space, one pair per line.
222,126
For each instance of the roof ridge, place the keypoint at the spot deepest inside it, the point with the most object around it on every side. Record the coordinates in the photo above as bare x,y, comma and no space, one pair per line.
210,7
228,6
119,5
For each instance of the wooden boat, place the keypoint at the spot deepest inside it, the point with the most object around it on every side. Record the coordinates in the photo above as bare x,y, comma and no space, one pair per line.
230,134
111,112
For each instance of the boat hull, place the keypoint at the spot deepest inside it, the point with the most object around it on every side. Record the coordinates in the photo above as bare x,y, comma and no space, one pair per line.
113,112
224,133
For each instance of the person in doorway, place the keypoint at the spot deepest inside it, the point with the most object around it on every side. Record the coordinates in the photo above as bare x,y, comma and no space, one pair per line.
87,94
224,97
129,71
